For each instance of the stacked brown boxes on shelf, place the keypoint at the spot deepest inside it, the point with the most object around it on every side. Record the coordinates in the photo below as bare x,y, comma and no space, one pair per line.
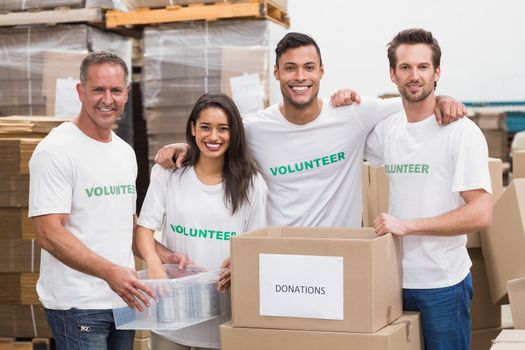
494,128
184,60
20,312
486,317
39,66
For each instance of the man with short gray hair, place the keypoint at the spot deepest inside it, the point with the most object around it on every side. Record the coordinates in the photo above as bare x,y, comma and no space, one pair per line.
82,202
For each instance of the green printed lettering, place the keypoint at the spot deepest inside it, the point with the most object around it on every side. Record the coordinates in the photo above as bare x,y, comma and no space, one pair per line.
274,171
211,232
411,168
333,158
173,228
317,160
218,235
299,166
424,168
290,170
131,189
417,168
106,192
309,164
98,191
179,229
233,234
325,160
89,192
341,156
282,170
203,233
226,236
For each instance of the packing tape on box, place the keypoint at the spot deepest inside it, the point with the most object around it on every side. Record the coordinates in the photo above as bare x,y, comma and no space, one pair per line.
33,319
503,341
408,325
32,255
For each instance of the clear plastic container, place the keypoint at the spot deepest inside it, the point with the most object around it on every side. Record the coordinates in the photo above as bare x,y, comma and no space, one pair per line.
186,298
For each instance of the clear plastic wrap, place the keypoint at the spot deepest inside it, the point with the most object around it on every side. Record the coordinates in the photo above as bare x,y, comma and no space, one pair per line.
23,5
184,60
39,63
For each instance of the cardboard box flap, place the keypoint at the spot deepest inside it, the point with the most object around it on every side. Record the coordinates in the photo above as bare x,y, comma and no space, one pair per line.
503,243
323,233
509,339
516,289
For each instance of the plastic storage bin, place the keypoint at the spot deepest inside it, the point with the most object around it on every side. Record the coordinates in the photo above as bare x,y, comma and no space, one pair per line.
186,298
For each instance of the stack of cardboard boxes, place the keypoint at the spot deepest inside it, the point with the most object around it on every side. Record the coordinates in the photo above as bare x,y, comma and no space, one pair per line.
20,312
494,128
39,66
486,317
318,288
184,60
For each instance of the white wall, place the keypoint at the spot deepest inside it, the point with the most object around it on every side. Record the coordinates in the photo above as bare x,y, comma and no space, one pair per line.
482,42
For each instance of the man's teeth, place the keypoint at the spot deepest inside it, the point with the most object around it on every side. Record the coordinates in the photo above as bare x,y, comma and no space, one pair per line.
106,109
299,88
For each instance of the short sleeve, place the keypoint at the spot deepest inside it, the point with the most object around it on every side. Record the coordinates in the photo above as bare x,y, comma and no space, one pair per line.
50,184
470,155
372,110
374,151
154,206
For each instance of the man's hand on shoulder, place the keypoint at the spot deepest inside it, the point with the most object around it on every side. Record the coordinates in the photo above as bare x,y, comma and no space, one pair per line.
449,110
345,97
172,155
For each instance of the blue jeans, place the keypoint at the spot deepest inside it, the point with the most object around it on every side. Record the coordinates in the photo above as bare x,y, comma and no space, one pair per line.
77,329
445,314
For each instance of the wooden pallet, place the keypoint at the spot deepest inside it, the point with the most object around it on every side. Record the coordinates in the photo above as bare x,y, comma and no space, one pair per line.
25,344
60,15
202,11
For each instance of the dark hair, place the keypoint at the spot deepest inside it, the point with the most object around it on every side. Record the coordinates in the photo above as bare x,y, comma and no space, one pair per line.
239,170
293,40
411,37
101,57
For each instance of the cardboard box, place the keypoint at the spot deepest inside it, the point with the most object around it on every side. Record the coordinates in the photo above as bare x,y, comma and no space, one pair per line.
59,65
518,164
141,344
481,339
19,255
404,333
16,224
483,313
375,191
516,289
360,291
376,194
503,243
509,339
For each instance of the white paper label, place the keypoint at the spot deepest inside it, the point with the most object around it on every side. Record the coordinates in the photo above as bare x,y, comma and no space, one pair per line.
301,286
67,103
246,93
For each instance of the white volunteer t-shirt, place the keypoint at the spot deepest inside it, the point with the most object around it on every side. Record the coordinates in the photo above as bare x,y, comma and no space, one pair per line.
428,165
195,221
314,171
94,183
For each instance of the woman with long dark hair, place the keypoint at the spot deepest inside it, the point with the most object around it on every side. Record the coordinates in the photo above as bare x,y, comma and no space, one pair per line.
217,194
